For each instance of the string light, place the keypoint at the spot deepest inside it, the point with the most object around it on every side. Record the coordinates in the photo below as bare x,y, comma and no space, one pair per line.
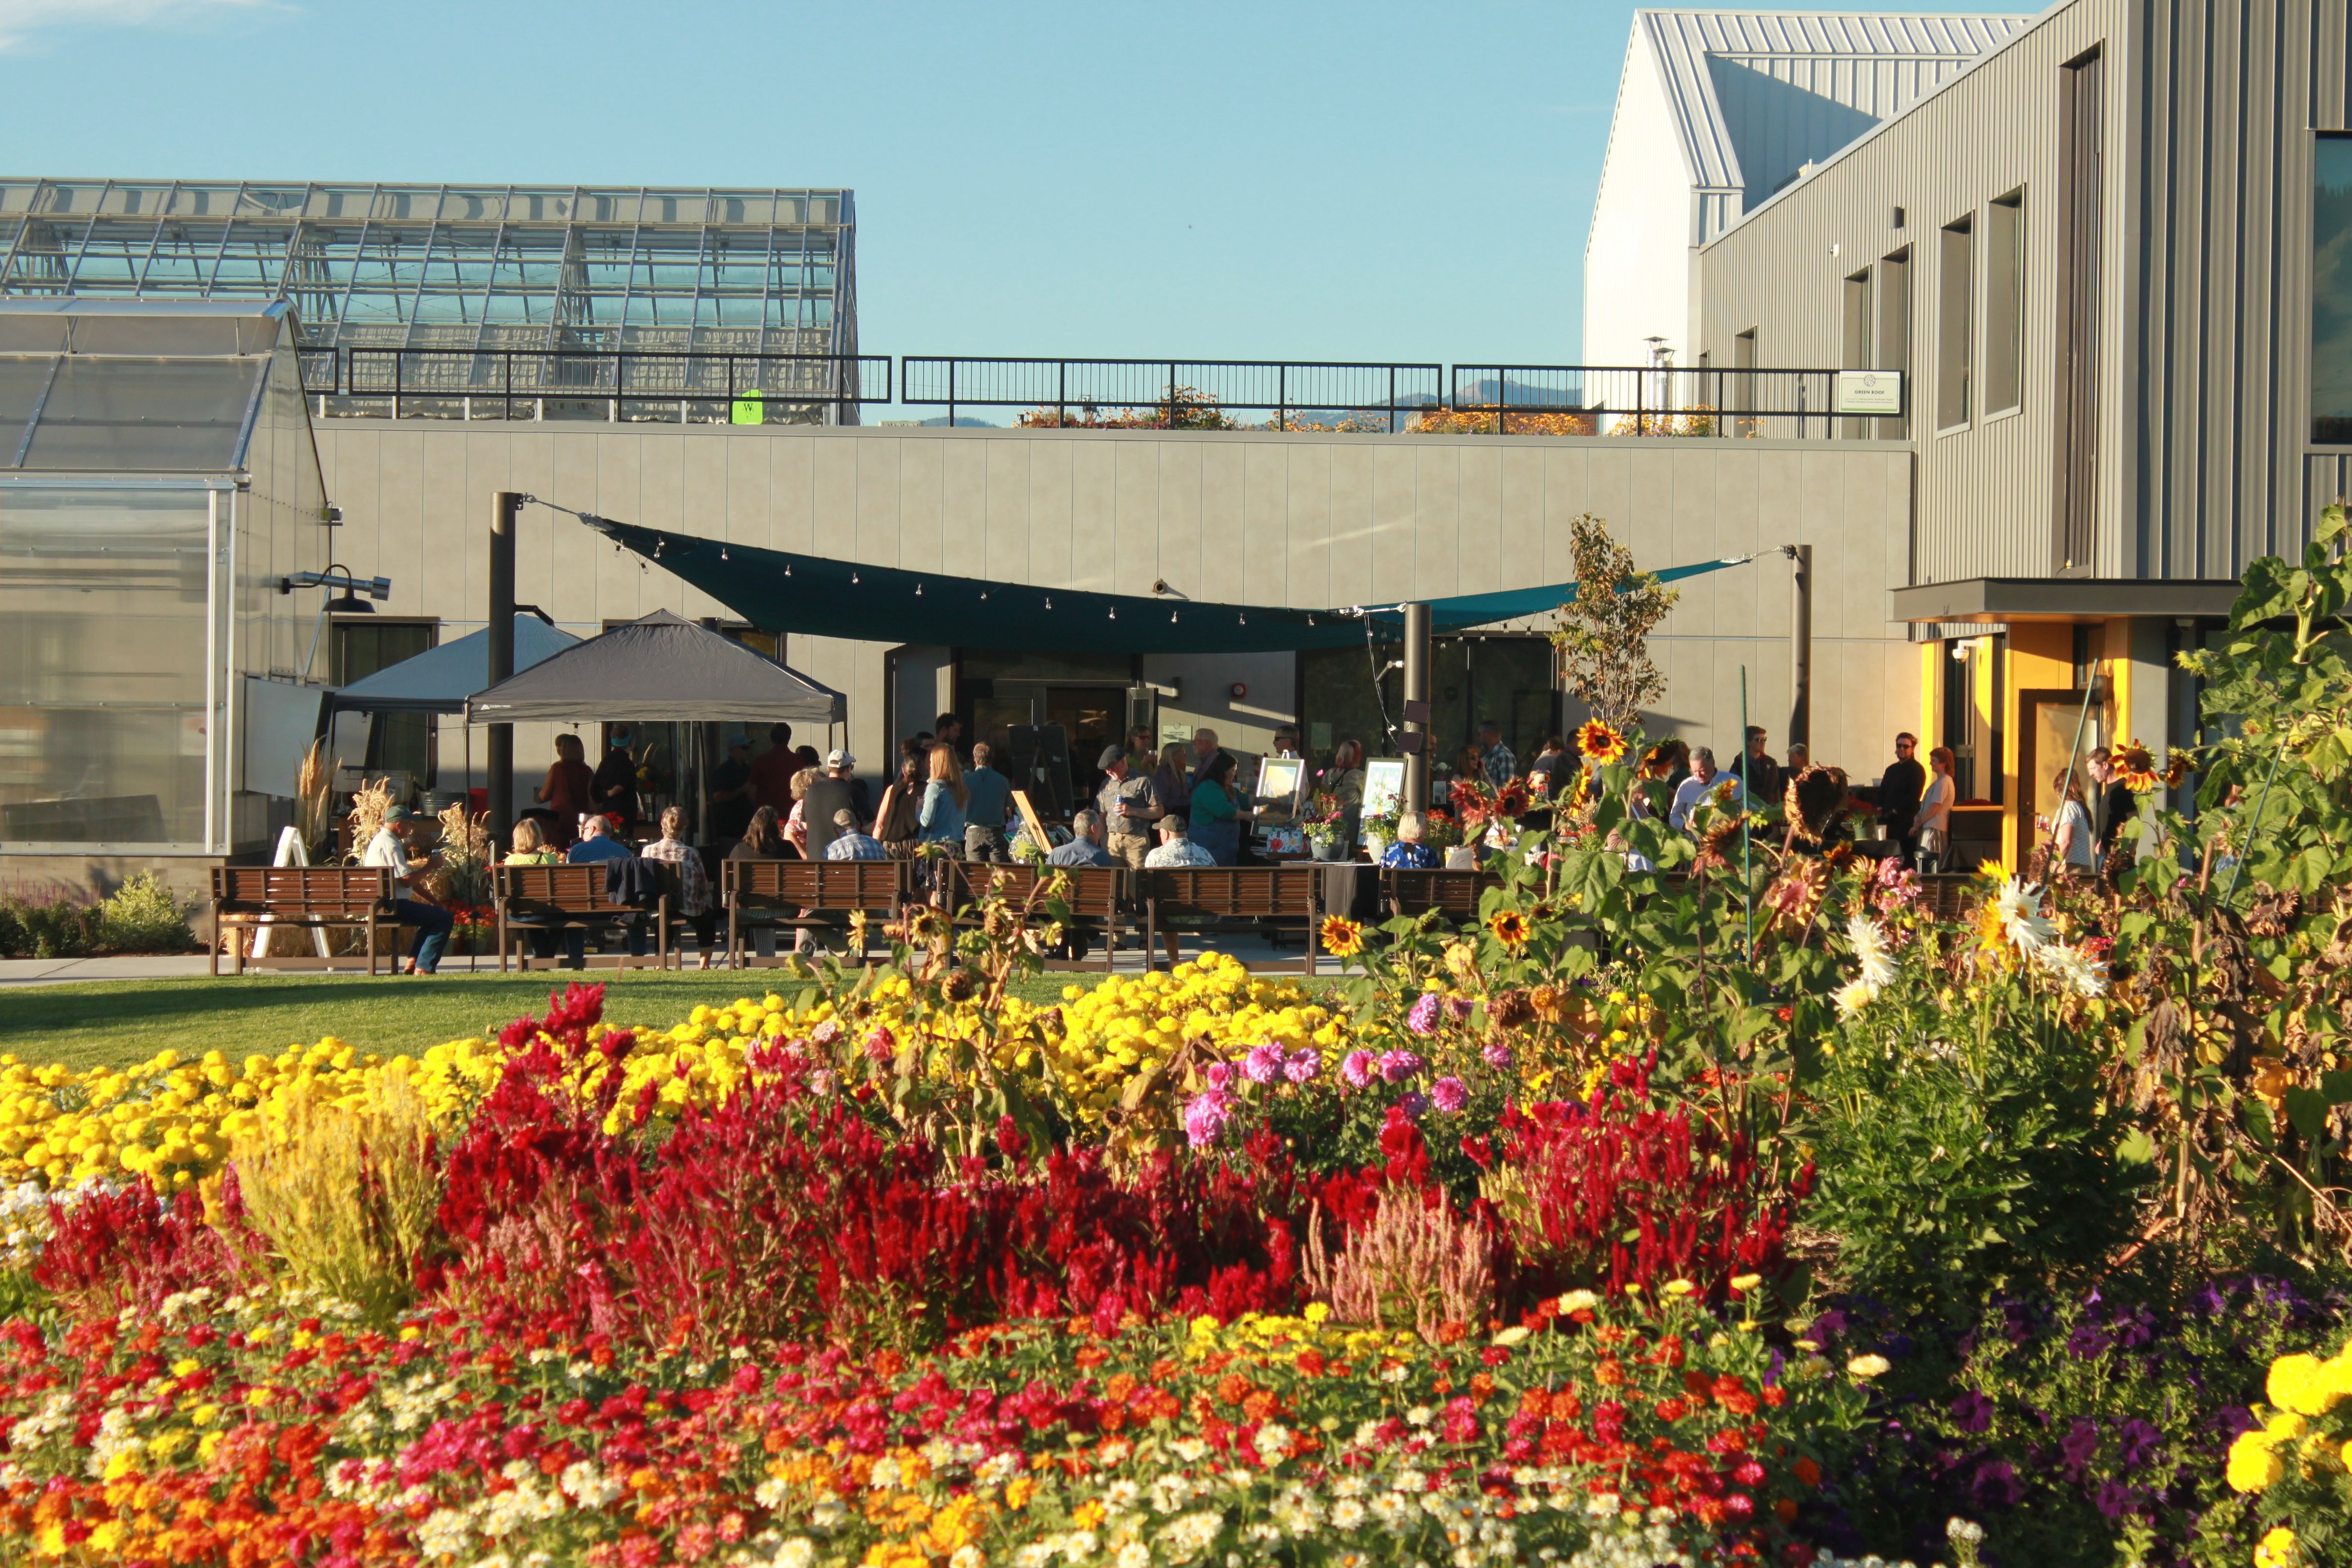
1049,601
722,553
1114,612
919,589
983,592
1171,618
788,568
1245,617
853,578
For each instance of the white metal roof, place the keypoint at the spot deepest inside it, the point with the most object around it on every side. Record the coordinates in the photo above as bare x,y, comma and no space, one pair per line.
1757,94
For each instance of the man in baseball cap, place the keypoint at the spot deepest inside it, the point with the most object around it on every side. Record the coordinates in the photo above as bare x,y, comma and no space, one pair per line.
389,850
1127,806
829,794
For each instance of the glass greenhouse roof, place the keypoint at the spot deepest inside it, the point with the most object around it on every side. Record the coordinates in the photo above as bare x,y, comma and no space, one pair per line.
491,267
114,386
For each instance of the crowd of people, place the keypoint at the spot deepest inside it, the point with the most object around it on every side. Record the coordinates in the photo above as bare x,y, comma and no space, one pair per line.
1182,804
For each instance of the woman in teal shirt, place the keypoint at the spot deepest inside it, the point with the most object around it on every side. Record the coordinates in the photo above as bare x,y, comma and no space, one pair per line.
1217,812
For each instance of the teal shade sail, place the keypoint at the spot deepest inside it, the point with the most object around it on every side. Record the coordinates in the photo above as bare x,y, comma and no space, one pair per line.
816,595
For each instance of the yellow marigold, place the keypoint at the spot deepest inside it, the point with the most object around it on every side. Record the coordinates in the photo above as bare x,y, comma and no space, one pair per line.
2298,1383
2277,1550
2253,1468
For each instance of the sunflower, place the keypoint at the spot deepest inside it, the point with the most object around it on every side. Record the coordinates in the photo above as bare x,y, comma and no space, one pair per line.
2138,768
1342,938
1598,742
1510,928
2176,768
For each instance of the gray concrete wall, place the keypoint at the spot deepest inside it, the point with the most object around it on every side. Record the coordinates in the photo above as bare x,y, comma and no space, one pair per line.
1250,516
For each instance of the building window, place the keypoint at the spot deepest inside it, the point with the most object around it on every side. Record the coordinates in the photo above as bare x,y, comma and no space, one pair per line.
2331,292
1742,392
1955,324
1894,334
2005,303
359,647
1857,354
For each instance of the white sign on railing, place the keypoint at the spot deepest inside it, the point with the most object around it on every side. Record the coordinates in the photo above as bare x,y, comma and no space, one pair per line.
1870,392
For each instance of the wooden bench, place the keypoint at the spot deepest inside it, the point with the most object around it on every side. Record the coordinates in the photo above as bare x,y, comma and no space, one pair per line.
1453,894
1277,895
1096,898
567,898
300,898
805,895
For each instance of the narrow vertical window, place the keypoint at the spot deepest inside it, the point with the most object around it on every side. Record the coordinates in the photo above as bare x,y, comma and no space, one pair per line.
1955,322
1743,386
1856,352
1895,335
2081,189
2331,292
2004,388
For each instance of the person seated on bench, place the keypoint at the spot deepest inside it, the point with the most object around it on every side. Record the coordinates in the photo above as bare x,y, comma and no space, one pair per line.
389,850
1176,852
596,843
1087,847
532,849
695,902
851,843
1409,853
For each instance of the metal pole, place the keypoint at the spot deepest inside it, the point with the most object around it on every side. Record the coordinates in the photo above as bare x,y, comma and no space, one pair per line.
505,515
1800,649
1416,690
1747,800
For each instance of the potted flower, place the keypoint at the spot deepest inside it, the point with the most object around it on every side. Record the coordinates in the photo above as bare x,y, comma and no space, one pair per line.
1326,828
1379,832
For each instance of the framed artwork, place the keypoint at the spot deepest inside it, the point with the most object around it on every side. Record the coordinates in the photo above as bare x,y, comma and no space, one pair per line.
1383,785
1279,782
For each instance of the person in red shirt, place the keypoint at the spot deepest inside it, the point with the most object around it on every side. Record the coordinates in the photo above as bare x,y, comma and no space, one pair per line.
567,790
772,771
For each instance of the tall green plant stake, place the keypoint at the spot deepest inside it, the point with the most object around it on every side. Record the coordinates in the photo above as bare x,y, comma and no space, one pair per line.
1746,801
2255,824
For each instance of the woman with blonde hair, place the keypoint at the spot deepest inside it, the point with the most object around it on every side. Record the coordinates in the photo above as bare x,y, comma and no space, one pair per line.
529,847
1933,827
945,795
2071,839
796,825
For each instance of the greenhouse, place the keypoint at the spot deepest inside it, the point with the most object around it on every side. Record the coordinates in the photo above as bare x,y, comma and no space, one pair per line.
160,495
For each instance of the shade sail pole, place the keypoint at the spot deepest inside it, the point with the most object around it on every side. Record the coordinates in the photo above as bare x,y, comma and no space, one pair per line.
1416,708
505,515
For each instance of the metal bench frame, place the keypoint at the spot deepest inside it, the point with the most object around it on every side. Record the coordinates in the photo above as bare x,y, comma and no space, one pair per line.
559,897
802,894
300,898
1276,894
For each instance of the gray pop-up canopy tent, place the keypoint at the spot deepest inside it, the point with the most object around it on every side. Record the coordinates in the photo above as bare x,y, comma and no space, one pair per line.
439,680
660,669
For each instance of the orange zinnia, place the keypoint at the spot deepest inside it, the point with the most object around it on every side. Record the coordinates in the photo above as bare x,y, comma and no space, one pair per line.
1598,742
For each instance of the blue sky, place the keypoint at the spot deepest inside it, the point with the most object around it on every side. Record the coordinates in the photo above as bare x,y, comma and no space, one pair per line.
1271,181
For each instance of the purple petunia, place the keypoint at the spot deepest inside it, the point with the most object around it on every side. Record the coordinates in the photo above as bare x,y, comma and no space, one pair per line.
1356,1069
1449,1095
2136,1442
1303,1066
1398,1066
1263,1065
1972,1412
1496,1054
2078,1446
1422,1019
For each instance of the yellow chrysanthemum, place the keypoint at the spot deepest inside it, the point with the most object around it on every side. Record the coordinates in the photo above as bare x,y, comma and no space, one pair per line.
2277,1549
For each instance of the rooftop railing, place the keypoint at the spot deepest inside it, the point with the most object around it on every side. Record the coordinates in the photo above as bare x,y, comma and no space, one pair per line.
717,387
681,387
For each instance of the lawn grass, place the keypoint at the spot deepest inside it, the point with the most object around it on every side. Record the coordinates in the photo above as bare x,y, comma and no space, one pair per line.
116,1021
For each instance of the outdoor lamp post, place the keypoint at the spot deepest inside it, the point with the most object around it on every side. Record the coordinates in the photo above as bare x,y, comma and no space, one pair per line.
506,514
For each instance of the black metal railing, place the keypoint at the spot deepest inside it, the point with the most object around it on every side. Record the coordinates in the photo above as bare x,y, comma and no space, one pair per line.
1671,400
683,386
1178,392
715,386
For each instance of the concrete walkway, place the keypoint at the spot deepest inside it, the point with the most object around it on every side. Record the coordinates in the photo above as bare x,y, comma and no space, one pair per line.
20,972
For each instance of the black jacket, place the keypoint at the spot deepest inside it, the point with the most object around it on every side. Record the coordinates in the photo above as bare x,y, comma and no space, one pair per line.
635,882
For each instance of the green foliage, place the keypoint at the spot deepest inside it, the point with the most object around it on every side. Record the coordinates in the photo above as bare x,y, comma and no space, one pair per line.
144,916
1603,632
1965,1145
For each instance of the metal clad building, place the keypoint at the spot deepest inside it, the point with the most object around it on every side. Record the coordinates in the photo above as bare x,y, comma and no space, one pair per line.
1716,111
2111,258
458,266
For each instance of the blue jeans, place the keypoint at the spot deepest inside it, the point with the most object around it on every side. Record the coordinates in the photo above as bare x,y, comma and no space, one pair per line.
433,924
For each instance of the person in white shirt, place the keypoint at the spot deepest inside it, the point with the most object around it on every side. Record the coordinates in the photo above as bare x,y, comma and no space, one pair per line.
1176,852
1692,790
389,850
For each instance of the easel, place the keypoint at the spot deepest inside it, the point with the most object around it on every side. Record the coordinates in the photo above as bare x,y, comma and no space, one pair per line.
290,852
